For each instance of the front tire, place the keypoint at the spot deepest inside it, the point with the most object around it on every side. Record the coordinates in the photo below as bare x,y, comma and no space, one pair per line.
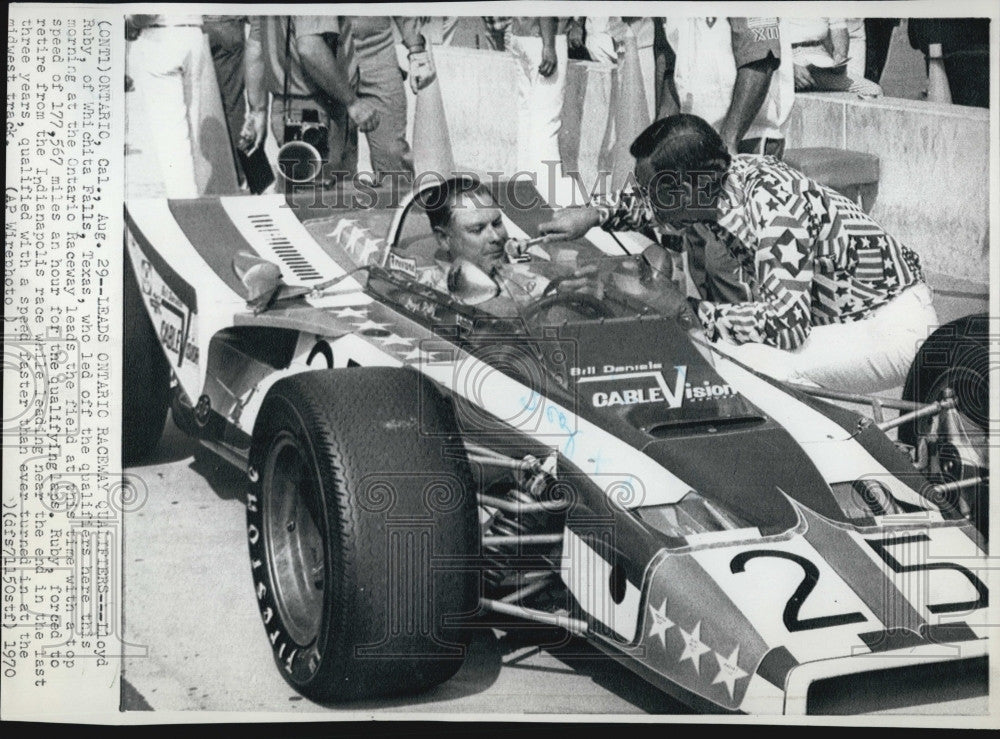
360,512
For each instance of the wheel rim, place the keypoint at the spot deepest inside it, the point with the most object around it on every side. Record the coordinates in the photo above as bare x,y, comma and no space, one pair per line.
969,384
294,540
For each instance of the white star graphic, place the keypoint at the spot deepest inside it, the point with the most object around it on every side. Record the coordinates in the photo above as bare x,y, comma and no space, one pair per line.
371,325
693,648
421,356
659,622
349,313
729,671
395,339
790,254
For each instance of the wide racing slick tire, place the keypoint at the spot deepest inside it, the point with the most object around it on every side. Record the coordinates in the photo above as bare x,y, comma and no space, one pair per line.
955,356
145,377
360,513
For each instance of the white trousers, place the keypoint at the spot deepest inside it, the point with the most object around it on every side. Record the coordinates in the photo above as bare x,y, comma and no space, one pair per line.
866,356
539,107
160,61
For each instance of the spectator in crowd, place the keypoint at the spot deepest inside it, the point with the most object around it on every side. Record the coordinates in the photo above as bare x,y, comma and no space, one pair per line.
857,48
878,37
226,41
834,300
308,66
539,47
746,94
468,31
603,37
962,47
440,30
165,54
381,82
820,53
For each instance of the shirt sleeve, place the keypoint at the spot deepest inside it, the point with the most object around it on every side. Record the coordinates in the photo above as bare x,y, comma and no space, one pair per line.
627,210
755,39
780,315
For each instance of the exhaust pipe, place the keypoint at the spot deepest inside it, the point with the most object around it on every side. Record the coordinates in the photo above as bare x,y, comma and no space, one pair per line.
299,162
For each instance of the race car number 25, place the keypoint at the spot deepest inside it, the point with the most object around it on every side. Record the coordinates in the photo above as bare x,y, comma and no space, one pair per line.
790,616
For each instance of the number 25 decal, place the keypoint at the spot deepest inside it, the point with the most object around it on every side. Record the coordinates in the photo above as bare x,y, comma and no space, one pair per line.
791,613
881,548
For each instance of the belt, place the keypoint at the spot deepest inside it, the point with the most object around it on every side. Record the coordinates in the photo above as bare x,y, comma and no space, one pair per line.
807,43
174,25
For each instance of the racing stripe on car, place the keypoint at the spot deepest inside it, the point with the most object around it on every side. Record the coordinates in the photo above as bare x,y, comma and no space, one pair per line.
273,232
584,444
588,576
829,446
938,571
840,548
182,289
207,227
217,301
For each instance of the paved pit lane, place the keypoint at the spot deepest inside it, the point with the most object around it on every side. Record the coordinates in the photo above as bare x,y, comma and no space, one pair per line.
189,602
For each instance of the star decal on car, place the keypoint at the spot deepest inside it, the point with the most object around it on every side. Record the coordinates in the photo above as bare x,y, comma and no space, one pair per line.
729,670
659,622
693,647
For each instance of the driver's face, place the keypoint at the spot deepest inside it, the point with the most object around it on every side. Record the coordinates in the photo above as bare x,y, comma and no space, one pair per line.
476,233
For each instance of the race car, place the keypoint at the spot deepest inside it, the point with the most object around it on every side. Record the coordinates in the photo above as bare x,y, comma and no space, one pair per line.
418,467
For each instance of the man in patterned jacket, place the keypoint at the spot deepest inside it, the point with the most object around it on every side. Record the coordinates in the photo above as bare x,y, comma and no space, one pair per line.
832,299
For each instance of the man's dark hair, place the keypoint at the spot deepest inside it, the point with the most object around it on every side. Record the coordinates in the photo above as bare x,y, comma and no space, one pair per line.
685,146
439,201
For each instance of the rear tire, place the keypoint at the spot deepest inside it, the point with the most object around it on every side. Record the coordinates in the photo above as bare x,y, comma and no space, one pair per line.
357,519
145,377
955,356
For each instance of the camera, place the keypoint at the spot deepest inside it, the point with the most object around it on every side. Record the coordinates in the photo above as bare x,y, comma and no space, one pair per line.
306,147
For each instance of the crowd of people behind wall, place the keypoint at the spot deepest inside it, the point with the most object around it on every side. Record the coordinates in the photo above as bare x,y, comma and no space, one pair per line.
344,75
781,273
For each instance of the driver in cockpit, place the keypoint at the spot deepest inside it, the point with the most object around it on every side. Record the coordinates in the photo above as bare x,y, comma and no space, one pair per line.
469,229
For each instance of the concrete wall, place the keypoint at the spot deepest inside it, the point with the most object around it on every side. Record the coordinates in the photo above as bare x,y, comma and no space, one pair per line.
934,183
933,192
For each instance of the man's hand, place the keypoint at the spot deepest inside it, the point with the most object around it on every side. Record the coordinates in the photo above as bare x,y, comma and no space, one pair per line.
254,132
364,114
803,80
549,61
583,280
570,223
422,71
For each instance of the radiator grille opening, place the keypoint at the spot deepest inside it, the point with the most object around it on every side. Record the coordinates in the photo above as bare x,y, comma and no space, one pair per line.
905,686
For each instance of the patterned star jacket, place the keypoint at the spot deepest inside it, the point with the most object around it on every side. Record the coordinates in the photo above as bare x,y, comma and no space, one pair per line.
808,255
